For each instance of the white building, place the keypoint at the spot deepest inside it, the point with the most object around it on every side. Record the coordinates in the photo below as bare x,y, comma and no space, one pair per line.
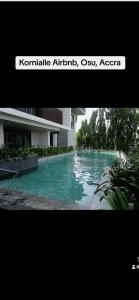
38,126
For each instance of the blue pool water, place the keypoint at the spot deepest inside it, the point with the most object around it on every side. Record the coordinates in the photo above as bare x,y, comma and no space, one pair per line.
72,178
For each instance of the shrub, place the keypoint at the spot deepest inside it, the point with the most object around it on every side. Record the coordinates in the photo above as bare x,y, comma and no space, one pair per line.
7,152
58,150
40,151
123,187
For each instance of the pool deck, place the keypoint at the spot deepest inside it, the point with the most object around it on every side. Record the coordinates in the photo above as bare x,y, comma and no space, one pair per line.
15,200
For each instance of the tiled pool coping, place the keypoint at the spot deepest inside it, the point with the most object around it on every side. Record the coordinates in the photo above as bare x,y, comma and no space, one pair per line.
55,156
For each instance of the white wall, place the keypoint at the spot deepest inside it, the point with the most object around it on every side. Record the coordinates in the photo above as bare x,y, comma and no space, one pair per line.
39,138
71,137
66,116
20,117
62,138
1,135
54,139
48,138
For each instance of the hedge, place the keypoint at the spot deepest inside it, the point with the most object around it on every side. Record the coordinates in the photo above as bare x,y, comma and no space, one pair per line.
7,152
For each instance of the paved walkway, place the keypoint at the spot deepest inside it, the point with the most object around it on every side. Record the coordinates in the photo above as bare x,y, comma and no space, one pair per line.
14,200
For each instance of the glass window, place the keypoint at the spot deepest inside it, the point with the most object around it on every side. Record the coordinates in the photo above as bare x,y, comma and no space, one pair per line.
15,137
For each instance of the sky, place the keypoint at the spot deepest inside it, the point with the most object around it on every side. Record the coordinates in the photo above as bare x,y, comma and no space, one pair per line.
82,118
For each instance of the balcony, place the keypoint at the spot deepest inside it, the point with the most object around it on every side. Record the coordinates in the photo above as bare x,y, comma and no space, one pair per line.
51,114
27,110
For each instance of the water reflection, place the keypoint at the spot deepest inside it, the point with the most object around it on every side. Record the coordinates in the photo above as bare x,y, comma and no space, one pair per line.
88,169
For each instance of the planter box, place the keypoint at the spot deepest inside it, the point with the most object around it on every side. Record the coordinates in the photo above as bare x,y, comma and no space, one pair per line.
18,166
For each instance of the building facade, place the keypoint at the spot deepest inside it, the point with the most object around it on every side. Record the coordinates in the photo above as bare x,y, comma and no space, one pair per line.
42,127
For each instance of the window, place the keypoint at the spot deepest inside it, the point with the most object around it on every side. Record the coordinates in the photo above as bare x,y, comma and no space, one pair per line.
15,137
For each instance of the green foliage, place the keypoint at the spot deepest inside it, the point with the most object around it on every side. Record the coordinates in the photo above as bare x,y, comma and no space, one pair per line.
123,187
39,151
7,152
93,132
58,150
83,136
101,129
110,128
123,128
117,199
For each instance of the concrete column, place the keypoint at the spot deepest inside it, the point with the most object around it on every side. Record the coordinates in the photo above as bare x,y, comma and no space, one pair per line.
48,138
55,139
1,135
34,138
39,138
71,138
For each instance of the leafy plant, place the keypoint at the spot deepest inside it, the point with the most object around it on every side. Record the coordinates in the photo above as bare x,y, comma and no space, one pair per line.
123,187
117,198
6,152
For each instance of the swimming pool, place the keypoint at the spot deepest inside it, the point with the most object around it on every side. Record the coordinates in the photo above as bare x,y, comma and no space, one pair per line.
70,178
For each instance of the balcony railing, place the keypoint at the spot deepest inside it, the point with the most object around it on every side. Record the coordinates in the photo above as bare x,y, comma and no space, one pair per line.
28,110
51,114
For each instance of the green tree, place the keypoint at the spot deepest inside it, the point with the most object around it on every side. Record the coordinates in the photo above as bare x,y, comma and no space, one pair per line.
101,129
83,136
93,133
110,128
122,129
